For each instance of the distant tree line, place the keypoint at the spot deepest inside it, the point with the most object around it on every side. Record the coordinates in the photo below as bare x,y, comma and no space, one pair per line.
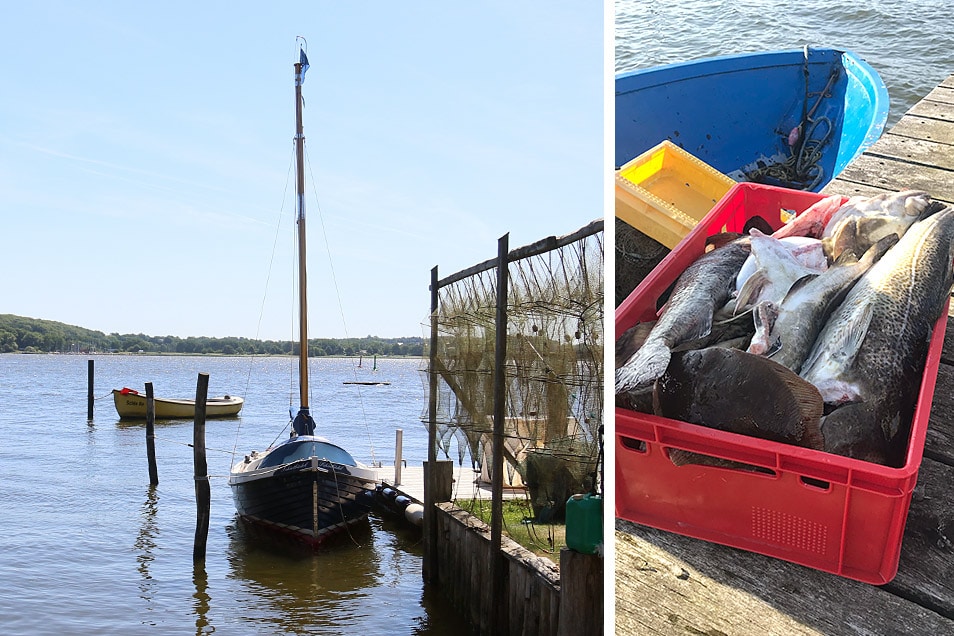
32,335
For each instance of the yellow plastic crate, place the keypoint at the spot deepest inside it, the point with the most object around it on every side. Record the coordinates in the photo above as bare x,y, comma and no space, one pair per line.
666,191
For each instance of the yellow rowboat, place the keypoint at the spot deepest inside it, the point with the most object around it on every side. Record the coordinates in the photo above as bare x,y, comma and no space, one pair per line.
131,404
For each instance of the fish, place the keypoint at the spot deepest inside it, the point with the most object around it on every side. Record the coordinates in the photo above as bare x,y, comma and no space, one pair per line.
863,221
788,334
853,430
778,269
813,221
873,346
806,250
700,290
742,393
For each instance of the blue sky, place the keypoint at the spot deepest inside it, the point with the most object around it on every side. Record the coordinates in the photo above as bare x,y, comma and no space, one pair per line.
145,156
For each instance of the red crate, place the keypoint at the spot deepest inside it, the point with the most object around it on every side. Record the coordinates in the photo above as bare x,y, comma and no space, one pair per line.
824,511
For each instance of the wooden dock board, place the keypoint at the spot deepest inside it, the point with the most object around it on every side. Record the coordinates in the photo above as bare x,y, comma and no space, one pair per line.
466,483
670,584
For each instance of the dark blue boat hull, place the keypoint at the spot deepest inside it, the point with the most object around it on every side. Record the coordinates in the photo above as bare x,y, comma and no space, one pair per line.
306,503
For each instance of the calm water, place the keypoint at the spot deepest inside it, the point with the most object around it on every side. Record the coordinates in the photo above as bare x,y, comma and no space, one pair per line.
908,43
87,547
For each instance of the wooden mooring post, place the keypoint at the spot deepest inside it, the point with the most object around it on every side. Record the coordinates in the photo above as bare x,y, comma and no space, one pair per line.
151,435
398,453
203,493
89,391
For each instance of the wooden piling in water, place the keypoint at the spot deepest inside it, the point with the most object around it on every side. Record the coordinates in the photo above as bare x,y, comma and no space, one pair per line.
89,391
151,435
203,494
398,452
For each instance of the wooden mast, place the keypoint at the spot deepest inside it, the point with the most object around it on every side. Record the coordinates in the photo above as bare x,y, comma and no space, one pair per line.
302,276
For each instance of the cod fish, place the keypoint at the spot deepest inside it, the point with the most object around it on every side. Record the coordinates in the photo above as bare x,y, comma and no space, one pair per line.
701,289
735,391
863,221
872,348
788,336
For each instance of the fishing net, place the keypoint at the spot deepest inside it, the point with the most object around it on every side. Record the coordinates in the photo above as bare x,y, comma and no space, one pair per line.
636,255
553,370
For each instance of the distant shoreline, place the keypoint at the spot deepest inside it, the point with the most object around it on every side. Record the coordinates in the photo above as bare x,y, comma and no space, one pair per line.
206,355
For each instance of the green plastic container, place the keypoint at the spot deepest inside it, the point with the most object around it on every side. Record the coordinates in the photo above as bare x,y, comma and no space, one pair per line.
584,523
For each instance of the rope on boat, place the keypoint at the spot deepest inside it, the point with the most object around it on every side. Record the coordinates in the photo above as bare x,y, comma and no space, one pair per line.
802,169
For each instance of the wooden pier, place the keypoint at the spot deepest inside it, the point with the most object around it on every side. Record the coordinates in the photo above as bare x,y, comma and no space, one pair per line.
670,584
467,484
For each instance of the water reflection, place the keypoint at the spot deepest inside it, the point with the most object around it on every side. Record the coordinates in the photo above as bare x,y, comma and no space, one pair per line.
202,600
330,589
145,543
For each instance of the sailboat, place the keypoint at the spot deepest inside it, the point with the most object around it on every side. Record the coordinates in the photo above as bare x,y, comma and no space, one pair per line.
306,486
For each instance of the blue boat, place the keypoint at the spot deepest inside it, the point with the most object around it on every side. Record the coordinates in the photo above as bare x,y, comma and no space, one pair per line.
793,118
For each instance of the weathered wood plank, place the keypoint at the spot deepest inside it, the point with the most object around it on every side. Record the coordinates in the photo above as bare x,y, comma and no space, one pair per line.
924,152
852,189
940,434
926,569
934,109
941,132
581,585
940,94
669,584
948,81
892,174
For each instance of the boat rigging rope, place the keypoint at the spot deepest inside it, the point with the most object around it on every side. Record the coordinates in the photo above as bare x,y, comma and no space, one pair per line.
268,276
334,281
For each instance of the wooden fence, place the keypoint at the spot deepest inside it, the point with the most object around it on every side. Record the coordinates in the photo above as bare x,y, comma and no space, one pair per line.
533,601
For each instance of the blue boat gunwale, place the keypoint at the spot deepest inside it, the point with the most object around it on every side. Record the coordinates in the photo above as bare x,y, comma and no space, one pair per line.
857,128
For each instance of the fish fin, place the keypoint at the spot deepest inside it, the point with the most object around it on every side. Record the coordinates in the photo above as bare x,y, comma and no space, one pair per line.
644,367
846,340
853,336
798,284
847,257
632,340
810,406
751,289
758,223
931,208
879,249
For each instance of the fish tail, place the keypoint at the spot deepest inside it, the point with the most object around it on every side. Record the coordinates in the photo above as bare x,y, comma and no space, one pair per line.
645,367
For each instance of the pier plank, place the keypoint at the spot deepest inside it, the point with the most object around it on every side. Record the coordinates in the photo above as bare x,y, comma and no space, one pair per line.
940,434
925,153
890,174
924,128
677,585
926,568
941,93
937,105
